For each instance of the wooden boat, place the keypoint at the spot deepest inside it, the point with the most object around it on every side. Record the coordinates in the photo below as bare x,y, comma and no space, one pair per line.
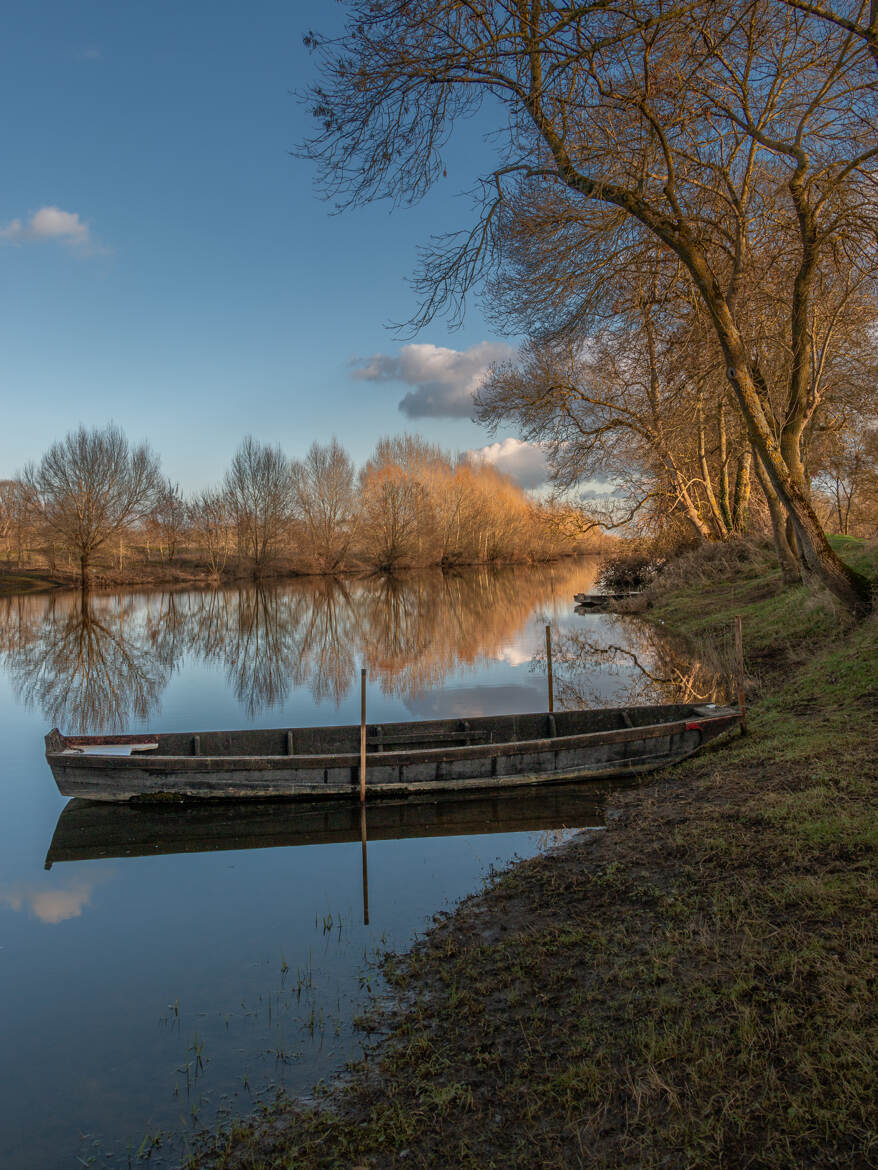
89,830
438,755
602,600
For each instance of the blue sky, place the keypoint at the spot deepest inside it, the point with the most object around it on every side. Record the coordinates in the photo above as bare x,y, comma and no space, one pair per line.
166,263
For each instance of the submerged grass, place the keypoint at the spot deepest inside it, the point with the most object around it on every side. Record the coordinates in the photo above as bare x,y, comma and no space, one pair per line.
694,987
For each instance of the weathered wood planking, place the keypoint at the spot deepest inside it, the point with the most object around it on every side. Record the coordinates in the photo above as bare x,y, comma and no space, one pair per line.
496,752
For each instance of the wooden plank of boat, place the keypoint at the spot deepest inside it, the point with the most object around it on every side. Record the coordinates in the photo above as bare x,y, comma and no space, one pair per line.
89,829
486,752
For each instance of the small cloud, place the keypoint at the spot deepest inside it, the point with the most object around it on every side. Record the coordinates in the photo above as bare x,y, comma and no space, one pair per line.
444,380
89,53
598,489
49,223
521,461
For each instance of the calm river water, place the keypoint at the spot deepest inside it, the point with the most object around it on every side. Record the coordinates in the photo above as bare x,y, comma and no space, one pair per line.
157,972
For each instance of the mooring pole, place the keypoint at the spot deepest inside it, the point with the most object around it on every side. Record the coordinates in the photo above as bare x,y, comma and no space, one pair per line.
549,664
363,735
739,672
365,866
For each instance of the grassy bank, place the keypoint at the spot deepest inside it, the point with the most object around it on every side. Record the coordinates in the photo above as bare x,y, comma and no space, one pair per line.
695,987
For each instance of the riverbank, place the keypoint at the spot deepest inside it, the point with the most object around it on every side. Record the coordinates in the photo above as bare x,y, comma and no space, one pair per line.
692,987
193,573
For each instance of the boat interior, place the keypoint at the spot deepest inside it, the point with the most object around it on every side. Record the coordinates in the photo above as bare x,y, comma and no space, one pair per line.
387,737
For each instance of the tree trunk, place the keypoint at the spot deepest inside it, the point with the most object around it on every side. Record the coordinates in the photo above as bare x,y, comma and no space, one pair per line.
724,470
718,521
684,496
789,567
741,501
84,571
851,588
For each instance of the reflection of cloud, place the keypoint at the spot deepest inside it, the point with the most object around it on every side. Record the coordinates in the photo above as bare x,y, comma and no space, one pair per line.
514,654
444,380
51,906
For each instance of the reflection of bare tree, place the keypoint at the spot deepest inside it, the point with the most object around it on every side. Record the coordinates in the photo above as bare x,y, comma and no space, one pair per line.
165,626
419,628
208,619
96,668
261,651
21,619
654,666
84,671
328,641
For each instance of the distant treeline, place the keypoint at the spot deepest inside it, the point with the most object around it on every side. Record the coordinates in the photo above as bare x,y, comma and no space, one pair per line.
96,506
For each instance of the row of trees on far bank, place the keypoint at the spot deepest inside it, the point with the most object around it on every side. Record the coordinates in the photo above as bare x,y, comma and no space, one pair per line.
94,501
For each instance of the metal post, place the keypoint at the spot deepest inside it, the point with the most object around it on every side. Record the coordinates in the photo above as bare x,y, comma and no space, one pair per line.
363,735
549,664
739,672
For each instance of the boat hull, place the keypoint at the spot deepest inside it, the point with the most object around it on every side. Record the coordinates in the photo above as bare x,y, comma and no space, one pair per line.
602,754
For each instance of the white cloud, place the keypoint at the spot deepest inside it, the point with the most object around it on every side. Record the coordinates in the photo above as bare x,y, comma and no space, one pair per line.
49,223
444,380
524,462
598,489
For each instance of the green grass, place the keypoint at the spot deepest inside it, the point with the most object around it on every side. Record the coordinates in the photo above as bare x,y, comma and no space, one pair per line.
860,554
695,987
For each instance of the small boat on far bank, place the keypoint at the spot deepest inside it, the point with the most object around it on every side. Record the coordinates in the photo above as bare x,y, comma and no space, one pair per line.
438,755
603,600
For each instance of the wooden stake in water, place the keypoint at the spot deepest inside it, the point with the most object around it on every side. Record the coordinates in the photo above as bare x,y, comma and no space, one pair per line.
739,672
363,735
365,866
549,665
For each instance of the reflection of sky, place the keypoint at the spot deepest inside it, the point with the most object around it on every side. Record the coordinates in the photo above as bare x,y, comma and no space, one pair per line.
464,702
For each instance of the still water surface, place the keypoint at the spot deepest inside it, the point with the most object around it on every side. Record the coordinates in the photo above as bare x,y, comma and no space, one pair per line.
157,971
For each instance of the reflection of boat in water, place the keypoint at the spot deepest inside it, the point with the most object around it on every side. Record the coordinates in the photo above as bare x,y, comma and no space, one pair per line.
586,601
436,755
87,829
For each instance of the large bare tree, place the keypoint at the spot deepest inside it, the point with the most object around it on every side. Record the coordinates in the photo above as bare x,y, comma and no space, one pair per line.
92,486
701,126
325,503
260,494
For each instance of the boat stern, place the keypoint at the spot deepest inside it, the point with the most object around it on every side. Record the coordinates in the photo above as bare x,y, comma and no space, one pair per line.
55,742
